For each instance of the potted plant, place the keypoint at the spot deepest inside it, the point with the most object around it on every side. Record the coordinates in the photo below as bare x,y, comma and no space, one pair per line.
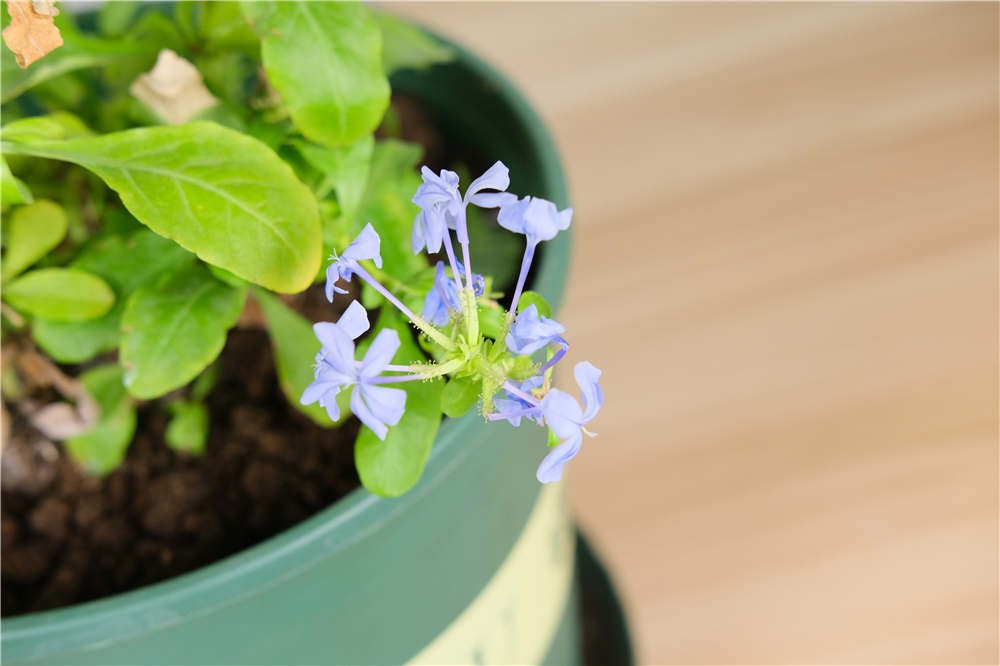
217,154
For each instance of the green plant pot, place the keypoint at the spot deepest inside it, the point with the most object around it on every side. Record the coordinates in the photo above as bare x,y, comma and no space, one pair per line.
476,564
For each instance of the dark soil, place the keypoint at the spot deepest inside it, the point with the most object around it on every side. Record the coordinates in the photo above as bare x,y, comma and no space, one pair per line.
69,537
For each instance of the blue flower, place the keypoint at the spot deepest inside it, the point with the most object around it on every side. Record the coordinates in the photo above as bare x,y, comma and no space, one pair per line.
438,199
443,296
497,177
376,406
566,419
531,331
516,406
538,219
365,246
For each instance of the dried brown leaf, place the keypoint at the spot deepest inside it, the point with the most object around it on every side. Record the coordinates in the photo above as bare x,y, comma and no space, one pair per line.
31,34
173,89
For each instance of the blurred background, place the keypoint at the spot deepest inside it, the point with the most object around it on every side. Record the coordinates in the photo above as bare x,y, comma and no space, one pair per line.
786,265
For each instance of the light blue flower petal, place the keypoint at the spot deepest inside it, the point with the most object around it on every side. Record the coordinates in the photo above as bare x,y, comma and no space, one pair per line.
354,321
497,177
365,415
530,332
552,466
387,404
338,348
316,390
379,354
562,413
593,397
365,246
492,199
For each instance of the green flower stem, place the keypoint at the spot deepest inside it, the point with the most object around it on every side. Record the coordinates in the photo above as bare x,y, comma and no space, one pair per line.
470,309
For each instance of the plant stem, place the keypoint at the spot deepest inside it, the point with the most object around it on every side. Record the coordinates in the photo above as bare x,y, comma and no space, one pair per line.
434,333
529,253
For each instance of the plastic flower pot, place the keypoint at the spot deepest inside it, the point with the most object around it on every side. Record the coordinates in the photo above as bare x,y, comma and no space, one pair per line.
476,564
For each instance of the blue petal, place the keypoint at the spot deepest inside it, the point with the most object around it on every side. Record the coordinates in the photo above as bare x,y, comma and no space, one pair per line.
492,199
387,404
562,412
354,321
362,411
316,390
338,348
497,177
365,246
593,397
551,468
379,354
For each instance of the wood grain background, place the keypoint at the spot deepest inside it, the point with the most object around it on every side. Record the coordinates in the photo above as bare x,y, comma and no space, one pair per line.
786,264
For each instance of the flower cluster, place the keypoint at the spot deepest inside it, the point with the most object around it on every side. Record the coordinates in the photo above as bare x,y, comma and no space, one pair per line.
514,386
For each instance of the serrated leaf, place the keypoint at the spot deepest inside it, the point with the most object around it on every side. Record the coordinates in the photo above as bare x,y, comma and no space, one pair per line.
103,447
405,46
12,189
188,427
529,298
391,467
459,396
32,231
295,346
174,329
63,294
125,264
325,59
221,194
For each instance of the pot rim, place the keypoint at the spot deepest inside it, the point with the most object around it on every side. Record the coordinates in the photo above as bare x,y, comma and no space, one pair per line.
335,527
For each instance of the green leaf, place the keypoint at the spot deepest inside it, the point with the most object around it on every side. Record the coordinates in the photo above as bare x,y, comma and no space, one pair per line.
345,170
325,59
174,329
221,194
115,18
125,264
295,348
12,189
188,427
553,439
63,294
32,231
53,127
102,448
529,298
392,180
459,396
391,467
405,46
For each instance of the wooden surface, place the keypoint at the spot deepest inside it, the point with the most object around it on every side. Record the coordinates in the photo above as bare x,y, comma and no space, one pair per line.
786,264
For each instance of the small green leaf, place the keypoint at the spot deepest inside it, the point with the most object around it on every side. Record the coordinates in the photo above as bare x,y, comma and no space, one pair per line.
221,194
32,231
391,467
295,348
188,427
63,294
405,46
125,264
12,189
175,328
325,59
459,396
102,448
115,18
553,439
205,382
529,298
345,170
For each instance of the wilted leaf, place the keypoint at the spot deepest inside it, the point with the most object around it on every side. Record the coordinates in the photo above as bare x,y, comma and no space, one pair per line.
173,89
30,35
